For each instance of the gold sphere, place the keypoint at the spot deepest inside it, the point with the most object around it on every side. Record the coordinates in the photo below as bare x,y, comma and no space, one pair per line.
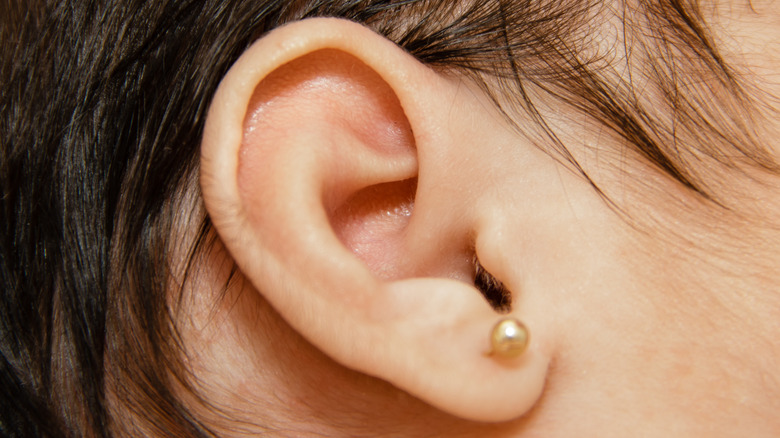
509,338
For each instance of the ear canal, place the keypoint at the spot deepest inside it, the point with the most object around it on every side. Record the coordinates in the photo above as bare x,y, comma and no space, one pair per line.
371,224
319,170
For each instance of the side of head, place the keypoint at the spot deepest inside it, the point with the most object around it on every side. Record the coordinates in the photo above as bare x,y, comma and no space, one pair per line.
247,218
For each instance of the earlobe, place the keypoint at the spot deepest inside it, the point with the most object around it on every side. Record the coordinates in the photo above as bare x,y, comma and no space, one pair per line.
323,169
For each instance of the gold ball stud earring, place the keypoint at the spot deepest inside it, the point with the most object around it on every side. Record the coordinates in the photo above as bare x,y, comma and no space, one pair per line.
509,338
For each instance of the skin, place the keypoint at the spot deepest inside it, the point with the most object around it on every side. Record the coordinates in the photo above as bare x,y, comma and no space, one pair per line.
354,312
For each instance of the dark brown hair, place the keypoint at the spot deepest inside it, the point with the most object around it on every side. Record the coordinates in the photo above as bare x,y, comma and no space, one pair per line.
103,105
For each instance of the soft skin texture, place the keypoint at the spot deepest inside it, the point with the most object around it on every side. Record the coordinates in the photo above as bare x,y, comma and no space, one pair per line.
353,187
272,211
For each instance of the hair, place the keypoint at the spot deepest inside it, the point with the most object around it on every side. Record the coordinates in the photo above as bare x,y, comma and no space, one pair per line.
103,107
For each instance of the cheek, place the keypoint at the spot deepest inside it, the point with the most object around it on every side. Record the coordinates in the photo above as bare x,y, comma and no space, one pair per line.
577,270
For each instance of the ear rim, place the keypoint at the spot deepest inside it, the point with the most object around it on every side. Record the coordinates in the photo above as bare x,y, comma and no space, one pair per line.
222,140
236,88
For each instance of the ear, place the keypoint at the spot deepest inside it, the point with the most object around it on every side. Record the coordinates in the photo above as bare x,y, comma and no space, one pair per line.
332,174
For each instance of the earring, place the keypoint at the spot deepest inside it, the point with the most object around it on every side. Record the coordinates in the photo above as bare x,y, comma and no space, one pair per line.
509,338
